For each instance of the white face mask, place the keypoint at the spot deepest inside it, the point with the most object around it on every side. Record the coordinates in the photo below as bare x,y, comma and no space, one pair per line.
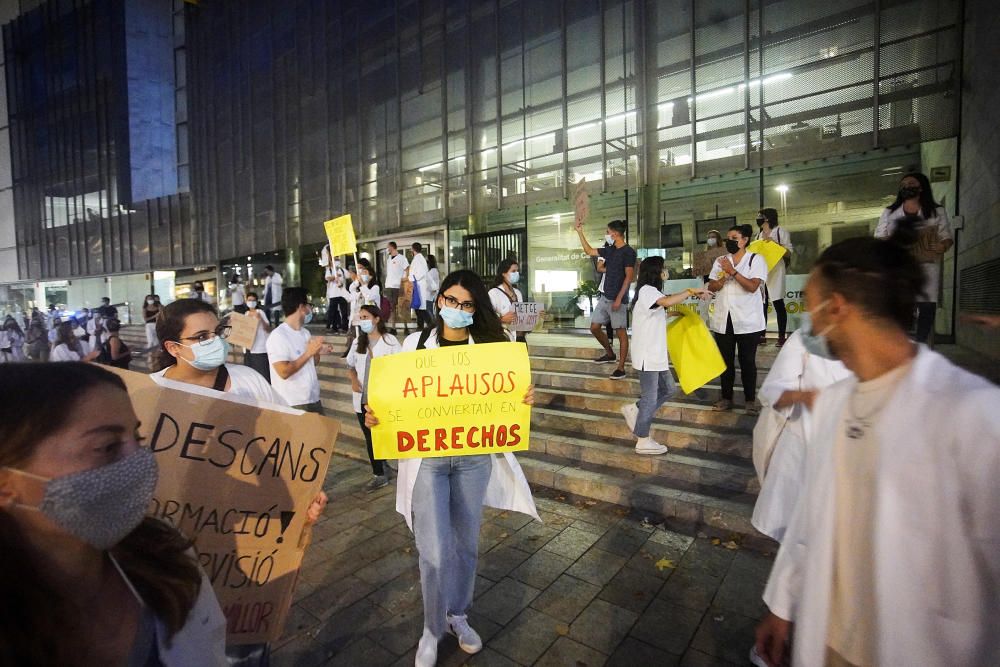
712,242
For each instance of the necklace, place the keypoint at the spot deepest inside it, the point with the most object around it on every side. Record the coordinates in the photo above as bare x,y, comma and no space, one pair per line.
858,425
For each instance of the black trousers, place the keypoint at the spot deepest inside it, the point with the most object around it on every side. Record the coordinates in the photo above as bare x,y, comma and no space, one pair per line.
779,312
423,319
377,467
926,312
728,343
337,314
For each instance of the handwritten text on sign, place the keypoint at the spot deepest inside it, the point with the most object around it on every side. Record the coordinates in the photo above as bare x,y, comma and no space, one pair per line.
526,315
237,479
340,234
452,401
244,329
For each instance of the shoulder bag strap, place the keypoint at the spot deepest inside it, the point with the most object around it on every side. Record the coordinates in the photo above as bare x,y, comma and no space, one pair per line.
422,341
221,378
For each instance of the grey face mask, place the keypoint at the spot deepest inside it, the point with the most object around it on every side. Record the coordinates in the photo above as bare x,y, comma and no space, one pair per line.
102,505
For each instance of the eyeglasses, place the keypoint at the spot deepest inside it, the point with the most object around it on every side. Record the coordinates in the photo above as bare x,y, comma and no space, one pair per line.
467,306
222,331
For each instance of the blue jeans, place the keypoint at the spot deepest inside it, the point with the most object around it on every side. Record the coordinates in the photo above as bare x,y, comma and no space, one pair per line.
656,388
447,513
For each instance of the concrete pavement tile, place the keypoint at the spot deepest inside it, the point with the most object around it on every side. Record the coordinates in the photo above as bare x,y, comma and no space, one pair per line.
299,652
360,556
511,521
667,626
344,540
597,566
333,597
532,537
505,600
400,631
596,527
389,566
741,593
364,651
568,652
602,626
634,653
554,520
631,589
500,562
482,585
694,589
695,658
347,625
385,520
726,635
566,598
650,554
527,637
399,593
541,569
671,539
572,542
622,540
703,556
340,521
490,535
488,658
752,565
299,621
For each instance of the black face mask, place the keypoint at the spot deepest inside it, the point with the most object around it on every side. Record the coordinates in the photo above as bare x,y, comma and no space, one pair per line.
760,222
908,193
732,247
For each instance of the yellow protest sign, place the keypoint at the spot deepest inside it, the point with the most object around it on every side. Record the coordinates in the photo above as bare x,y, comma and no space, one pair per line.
771,251
340,234
693,351
237,478
451,401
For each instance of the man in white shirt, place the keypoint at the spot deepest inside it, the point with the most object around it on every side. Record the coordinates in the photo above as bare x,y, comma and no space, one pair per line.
774,287
292,352
891,554
418,276
337,309
395,267
738,319
272,294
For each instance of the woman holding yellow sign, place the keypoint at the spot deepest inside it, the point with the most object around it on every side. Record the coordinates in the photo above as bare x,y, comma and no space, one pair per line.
442,498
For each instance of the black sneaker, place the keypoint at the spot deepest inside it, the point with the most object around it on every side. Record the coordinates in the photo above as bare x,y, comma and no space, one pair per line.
606,359
619,374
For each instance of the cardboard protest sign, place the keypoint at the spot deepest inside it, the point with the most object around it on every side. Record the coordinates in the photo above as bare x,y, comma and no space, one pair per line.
526,314
340,234
243,329
451,401
693,351
237,478
771,251
704,259
581,201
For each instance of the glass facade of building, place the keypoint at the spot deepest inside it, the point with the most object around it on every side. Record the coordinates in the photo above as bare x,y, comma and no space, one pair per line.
467,125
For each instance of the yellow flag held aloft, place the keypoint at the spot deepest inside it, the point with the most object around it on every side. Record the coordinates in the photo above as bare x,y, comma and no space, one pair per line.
771,251
693,351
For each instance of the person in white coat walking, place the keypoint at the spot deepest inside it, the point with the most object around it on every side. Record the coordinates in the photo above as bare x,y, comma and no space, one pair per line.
418,276
442,498
774,286
891,554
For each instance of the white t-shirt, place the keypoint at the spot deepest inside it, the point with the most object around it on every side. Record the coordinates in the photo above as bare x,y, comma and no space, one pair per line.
394,269
243,381
776,276
335,288
386,345
746,308
62,353
502,303
287,344
649,331
260,339
932,270
237,294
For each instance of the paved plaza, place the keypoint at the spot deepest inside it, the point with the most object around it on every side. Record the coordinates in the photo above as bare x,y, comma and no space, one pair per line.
592,585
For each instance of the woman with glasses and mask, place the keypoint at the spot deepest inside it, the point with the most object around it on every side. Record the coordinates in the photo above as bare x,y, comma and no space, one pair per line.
917,222
442,498
193,350
87,578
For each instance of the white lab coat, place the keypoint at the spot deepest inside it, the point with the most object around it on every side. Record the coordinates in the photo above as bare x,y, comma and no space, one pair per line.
776,276
937,537
418,274
508,487
275,282
794,369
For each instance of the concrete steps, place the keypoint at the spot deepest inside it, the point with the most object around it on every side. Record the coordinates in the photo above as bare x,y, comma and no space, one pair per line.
581,445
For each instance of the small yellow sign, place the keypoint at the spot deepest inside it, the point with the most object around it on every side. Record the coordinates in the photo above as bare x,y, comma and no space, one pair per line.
693,351
771,251
340,234
451,401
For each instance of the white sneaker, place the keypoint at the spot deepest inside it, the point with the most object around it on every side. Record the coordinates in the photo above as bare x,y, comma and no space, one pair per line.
648,446
631,413
757,659
427,651
468,639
